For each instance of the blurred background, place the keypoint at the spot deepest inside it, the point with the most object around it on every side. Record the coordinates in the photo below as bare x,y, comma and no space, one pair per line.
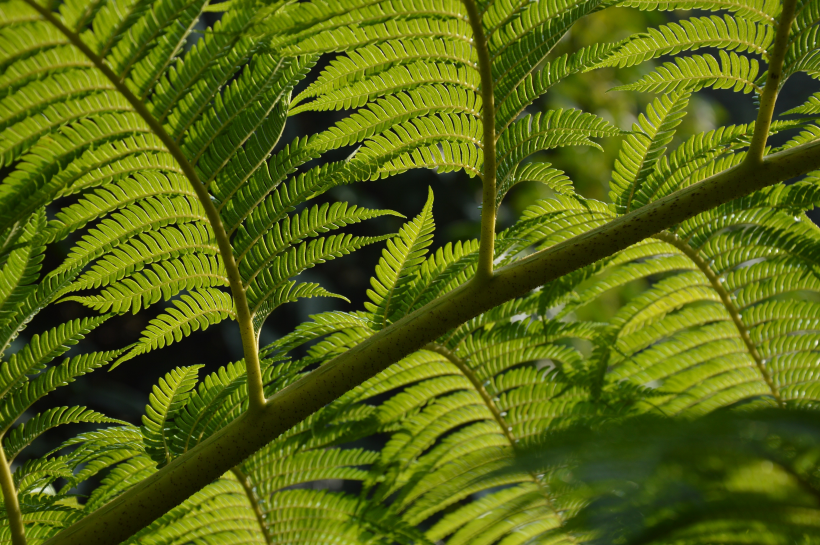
123,393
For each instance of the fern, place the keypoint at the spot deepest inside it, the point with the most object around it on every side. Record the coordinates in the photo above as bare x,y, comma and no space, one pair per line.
150,163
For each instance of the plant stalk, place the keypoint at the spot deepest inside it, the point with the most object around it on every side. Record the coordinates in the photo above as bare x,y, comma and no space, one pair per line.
146,501
15,516
486,251
256,394
768,97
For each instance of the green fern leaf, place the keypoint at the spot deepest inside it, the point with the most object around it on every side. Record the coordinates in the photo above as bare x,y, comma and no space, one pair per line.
734,71
762,11
114,197
146,248
642,149
24,434
41,349
271,287
810,107
159,282
727,33
167,399
14,404
552,129
193,311
292,230
398,265
537,172
145,215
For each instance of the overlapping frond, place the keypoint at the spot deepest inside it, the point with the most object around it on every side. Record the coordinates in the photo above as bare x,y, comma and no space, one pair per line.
642,149
736,72
397,267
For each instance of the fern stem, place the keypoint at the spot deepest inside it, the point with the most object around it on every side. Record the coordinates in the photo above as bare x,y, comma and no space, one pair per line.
768,97
256,392
247,486
18,532
734,313
141,504
486,250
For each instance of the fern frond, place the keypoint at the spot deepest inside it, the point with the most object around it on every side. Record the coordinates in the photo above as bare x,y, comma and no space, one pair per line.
642,149
271,287
159,282
103,201
167,399
35,475
398,78
736,72
398,264
19,137
20,269
49,167
96,451
142,216
728,33
537,172
524,49
405,138
24,434
510,104
42,349
762,11
810,107
379,116
292,230
194,421
146,248
373,59
243,194
551,129
327,26
124,475
193,311
155,39
16,402
185,90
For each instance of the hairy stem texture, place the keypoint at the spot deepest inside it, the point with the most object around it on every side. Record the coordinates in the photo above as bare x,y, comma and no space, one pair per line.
243,315
143,503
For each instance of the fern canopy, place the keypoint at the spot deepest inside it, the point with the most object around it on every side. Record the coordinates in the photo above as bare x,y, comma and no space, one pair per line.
149,164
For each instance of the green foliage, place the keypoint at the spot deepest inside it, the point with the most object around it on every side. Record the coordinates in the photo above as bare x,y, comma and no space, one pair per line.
151,158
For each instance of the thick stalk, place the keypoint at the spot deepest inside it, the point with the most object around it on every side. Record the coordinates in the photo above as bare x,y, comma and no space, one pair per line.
15,517
768,97
170,486
256,393
488,192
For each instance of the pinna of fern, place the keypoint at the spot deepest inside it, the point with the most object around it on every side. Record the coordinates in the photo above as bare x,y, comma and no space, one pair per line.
167,163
